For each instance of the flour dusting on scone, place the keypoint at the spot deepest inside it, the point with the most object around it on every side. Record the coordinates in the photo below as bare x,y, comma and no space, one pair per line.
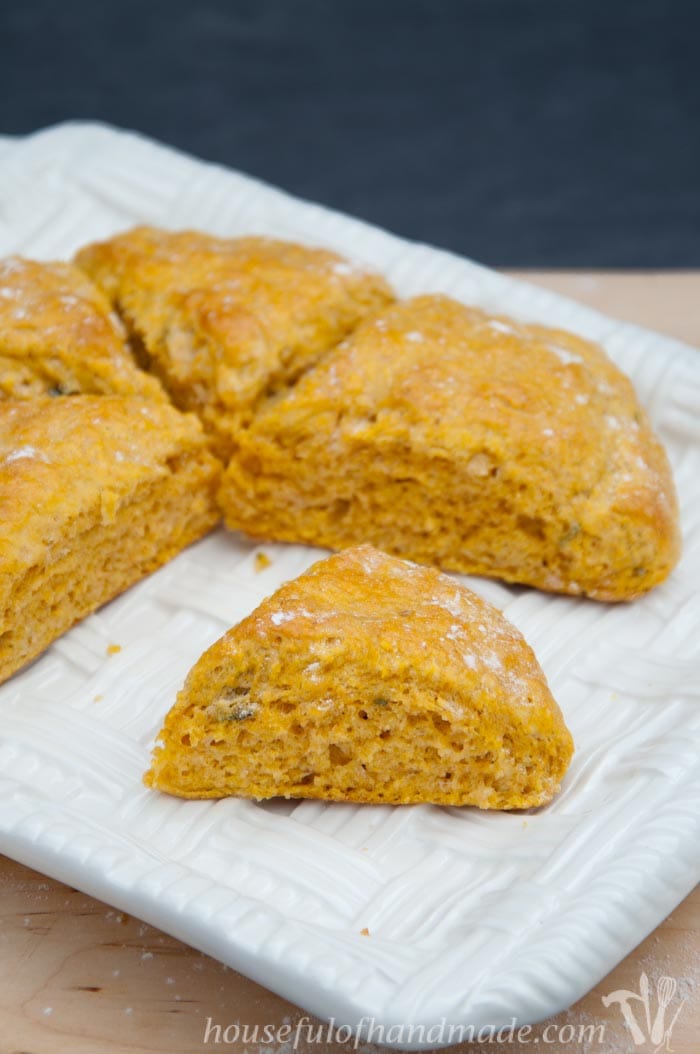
60,336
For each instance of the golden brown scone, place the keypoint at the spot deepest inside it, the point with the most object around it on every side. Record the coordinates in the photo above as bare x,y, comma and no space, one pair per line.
95,493
475,443
367,679
223,322
59,336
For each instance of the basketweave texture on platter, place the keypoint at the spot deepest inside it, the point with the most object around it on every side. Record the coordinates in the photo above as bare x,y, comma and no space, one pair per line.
473,916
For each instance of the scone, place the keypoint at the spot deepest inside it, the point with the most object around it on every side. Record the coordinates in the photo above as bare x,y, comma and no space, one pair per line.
472,442
223,322
59,336
95,492
367,679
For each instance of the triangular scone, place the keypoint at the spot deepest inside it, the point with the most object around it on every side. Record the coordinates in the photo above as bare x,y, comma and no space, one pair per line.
59,336
471,442
367,679
224,322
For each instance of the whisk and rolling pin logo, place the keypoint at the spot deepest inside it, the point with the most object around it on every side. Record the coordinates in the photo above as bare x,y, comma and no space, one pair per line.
650,1018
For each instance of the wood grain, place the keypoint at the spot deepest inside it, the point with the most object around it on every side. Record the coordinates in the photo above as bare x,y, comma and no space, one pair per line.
77,977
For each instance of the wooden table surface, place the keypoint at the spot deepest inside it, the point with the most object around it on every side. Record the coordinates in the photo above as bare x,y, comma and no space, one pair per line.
77,977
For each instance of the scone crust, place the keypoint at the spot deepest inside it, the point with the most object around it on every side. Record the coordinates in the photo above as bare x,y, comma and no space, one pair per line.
470,441
60,336
224,322
359,641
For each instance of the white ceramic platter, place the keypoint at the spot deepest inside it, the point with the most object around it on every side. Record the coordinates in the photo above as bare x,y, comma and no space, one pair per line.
473,917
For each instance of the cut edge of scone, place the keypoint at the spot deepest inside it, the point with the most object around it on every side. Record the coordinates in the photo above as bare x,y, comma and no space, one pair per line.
367,679
56,568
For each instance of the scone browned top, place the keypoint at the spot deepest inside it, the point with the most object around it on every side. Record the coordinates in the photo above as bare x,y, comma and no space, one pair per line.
224,321
368,679
62,459
471,441
400,619
59,335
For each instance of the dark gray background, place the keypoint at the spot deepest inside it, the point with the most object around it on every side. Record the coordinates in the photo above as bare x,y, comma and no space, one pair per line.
521,132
